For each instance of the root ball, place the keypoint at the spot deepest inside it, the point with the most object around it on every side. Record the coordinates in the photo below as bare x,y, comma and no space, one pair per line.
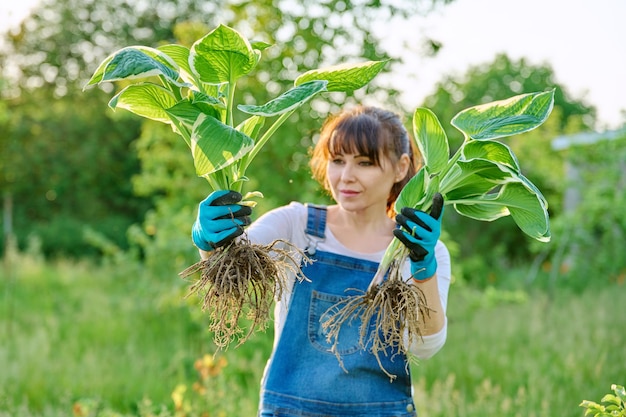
241,281
390,316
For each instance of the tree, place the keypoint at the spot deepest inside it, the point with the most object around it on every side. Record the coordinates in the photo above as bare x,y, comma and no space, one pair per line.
66,168
55,50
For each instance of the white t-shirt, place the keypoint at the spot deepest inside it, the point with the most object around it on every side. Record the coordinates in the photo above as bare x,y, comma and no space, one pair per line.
289,223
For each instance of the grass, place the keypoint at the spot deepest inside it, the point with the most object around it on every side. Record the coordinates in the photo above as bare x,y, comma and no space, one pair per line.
77,339
533,356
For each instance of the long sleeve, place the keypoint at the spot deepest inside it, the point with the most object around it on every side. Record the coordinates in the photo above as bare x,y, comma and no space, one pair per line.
428,345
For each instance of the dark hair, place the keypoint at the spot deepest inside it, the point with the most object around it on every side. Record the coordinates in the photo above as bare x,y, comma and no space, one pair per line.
368,131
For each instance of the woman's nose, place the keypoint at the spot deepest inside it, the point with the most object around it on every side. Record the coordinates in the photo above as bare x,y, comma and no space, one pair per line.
347,173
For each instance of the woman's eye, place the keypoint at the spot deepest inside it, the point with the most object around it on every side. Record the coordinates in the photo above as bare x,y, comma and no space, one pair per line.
366,163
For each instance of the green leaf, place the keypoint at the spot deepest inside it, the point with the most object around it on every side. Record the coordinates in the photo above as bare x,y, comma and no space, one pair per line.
611,399
146,100
287,101
251,126
222,56
473,186
180,55
619,391
344,77
431,140
478,176
259,45
503,118
208,104
413,192
486,169
136,62
484,209
215,145
186,113
493,151
527,209
474,177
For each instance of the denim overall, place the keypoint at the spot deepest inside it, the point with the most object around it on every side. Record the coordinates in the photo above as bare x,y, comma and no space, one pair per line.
304,378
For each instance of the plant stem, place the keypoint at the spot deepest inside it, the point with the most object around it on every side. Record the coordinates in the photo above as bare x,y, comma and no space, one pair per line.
453,160
395,252
259,144
229,106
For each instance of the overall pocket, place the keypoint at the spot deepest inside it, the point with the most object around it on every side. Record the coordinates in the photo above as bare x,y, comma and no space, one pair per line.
319,311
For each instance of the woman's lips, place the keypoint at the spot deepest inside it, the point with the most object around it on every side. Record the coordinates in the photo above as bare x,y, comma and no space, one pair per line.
348,193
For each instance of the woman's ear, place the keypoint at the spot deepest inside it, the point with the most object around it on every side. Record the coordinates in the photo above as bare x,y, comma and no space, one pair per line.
402,167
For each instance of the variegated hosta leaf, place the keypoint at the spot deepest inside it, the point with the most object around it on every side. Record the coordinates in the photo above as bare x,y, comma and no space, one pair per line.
136,62
344,77
431,140
526,207
413,192
474,177
146,100
492,151
287,101
503,118
215,145
251,126
186,114
180,55
222,56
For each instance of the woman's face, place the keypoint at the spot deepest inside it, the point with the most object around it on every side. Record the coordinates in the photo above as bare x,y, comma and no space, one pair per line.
357,183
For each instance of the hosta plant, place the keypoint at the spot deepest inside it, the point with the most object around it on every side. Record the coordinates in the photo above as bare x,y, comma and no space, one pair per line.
483,180
193,90
611,405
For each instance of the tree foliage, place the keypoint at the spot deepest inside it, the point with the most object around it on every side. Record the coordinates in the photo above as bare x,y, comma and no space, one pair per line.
48,59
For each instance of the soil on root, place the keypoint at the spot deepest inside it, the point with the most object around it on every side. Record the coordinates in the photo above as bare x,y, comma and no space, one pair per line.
241,281
390,315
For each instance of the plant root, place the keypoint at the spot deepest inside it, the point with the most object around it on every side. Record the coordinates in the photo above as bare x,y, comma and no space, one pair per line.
240,281
390,316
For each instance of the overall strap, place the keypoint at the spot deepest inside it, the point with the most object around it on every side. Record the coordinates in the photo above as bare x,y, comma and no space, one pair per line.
315,225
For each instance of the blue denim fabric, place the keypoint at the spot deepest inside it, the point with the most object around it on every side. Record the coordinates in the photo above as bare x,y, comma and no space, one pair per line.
304,378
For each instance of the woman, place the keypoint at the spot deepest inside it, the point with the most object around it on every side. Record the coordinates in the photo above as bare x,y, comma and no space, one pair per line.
363,158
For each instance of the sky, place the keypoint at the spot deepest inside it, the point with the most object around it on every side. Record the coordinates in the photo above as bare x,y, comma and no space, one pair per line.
583,41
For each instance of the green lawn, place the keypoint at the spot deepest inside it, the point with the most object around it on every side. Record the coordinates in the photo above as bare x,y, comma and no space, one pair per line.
109,341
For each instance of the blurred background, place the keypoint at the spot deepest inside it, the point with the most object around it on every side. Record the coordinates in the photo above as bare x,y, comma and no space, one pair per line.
97,205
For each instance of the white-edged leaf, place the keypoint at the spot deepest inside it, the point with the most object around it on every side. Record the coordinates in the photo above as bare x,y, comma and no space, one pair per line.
180,55
215,145
222,56
146,100
526,207
431,140
187,113
287,101
466,178
486,209
251,126
135,62
344,77
503,118
413,192
487,169
492,151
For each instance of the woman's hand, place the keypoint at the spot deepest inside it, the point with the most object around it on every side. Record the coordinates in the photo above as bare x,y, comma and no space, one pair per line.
220,220
420,232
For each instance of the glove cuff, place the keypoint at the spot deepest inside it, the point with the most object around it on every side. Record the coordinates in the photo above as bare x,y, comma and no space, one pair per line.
421,272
